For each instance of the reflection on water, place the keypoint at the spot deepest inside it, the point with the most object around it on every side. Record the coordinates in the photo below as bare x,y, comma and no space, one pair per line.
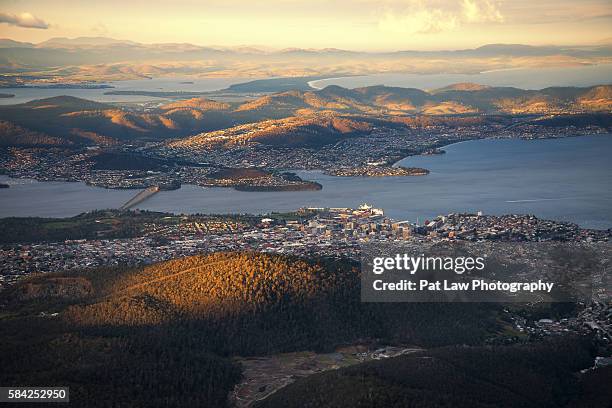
564,179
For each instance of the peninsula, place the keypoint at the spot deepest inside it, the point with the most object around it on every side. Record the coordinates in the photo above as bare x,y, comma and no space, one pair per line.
379,171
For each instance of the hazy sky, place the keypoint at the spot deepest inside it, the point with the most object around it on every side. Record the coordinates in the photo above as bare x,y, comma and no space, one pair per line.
355,24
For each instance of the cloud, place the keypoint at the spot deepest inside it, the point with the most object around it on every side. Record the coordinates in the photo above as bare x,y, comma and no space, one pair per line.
481,12
427,17
100,28
26,20
421,21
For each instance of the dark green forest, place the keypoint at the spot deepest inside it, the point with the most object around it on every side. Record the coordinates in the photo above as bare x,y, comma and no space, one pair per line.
166,335
526,375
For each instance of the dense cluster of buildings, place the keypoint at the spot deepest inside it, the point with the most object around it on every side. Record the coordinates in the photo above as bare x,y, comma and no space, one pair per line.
477,227
379,170
380,148
44,164
65,165
335,232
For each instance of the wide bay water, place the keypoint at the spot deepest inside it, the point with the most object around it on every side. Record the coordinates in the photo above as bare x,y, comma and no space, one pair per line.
174,84
567,179
524,78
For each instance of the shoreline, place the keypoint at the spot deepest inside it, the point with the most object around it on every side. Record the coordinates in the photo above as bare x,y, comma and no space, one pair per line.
473,76
207,199
503,138
311,83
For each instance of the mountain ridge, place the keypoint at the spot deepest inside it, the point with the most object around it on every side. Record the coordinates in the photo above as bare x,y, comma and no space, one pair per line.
491,48
330,112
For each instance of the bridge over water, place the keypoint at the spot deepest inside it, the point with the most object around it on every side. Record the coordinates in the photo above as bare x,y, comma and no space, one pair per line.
140,197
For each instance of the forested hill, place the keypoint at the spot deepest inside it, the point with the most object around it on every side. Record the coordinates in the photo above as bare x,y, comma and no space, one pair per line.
166,334
252,303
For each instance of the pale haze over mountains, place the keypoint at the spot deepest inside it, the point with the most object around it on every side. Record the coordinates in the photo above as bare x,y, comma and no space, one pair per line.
104,59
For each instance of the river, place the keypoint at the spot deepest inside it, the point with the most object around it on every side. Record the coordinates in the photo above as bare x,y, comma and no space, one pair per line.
567,179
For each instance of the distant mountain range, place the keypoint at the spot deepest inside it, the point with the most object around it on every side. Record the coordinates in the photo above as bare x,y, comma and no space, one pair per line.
100,59
288,118
96,43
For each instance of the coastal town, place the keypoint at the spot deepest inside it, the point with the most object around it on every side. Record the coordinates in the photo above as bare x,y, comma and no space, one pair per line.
66,165
256,167
376,170
314,232
333,232
288,203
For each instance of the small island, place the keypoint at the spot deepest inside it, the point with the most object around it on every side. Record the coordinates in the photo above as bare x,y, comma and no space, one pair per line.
378,171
